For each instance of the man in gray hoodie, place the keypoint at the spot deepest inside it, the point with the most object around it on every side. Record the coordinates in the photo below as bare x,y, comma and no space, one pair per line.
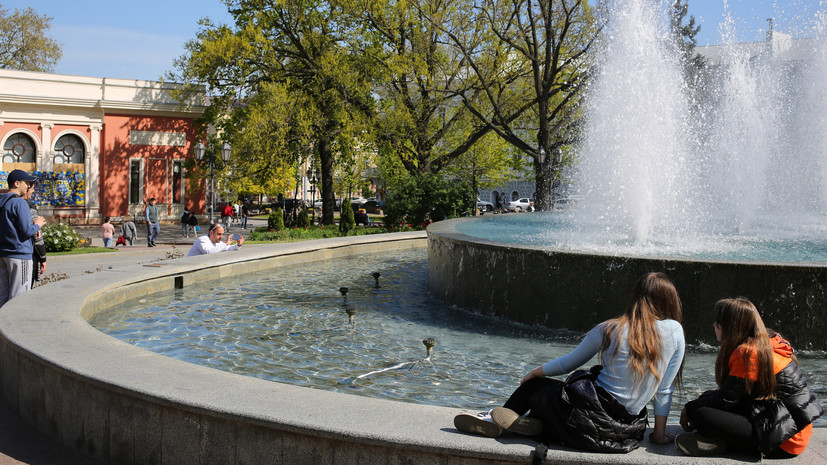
16,231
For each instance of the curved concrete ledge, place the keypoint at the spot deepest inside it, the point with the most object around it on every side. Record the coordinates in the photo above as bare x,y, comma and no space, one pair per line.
565,289
120,404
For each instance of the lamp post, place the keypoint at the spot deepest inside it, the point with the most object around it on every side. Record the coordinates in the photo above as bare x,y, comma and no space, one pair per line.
313,178
200,151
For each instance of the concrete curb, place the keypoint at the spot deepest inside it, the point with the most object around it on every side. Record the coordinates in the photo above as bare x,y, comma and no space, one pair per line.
120,404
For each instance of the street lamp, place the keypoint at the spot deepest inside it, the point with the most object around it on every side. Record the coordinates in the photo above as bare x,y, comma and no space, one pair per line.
313,178
200,151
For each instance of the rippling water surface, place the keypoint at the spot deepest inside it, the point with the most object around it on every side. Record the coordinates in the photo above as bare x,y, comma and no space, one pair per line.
290,325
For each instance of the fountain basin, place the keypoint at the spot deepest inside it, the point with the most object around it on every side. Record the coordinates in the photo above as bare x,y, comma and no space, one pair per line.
576,290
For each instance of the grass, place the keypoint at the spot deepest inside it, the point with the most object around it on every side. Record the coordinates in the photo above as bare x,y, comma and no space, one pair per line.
82,250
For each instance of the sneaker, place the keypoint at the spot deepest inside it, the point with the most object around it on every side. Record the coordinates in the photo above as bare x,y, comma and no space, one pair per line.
695,445
510,420
480,423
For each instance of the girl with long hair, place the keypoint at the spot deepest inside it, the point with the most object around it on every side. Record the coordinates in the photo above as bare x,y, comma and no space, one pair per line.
602,409
762,404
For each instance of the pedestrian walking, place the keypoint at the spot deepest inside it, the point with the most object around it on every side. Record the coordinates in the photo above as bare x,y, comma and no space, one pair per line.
16,230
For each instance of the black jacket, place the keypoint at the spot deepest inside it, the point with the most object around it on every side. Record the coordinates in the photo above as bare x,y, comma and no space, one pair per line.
773,421
588,417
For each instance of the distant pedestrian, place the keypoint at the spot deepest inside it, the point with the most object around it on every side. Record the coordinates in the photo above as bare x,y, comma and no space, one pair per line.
128,231
245,213
531,207
185,223
152,226
211,242
227,216
108,231
16,230
193,224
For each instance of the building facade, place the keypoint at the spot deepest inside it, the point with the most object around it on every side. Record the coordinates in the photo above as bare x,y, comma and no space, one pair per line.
100,147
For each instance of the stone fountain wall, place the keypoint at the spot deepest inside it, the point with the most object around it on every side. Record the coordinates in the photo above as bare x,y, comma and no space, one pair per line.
571,290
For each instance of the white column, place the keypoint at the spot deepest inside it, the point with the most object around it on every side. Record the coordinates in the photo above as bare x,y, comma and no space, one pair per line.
45,160
92,167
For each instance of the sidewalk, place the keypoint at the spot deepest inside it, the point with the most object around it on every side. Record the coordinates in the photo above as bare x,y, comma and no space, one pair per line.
19,443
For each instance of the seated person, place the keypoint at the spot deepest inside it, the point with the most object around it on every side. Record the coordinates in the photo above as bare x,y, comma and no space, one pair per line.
361,217
211,242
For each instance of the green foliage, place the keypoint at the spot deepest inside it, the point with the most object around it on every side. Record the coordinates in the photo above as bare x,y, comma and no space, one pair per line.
418,200
59,237
303,219
303,234
275,221
25,44
347,220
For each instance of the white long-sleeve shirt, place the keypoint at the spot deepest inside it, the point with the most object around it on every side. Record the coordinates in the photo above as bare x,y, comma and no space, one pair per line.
617,378
203,245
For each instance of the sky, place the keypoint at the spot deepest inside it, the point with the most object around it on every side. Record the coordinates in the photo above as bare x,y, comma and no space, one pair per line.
139,39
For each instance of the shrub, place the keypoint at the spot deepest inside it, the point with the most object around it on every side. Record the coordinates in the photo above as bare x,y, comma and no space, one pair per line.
347,221
60,237
417,201
276,220
303,220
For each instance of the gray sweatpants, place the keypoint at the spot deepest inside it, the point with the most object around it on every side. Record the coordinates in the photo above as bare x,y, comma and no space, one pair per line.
15,278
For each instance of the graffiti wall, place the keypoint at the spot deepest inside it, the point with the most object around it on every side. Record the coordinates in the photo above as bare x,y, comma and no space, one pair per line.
56,188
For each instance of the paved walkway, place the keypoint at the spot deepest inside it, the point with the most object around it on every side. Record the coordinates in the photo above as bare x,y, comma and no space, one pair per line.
21,444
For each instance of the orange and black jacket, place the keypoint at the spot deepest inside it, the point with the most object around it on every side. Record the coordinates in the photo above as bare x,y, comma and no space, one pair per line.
784,422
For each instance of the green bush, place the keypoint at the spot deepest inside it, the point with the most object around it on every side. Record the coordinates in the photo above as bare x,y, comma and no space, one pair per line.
347,220
275,222
303,220
300,234
417,201
60,237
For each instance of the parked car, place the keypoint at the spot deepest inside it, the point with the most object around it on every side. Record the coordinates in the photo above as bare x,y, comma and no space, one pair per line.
483,205
519,204
358,200
372,206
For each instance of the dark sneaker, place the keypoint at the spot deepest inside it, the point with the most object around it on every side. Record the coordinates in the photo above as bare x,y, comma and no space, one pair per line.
480,423
695,445
510,420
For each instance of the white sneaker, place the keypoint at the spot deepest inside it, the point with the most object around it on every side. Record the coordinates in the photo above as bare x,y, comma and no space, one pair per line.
480,423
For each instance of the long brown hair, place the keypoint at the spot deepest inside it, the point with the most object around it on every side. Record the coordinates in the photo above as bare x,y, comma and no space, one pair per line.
654,298
742,325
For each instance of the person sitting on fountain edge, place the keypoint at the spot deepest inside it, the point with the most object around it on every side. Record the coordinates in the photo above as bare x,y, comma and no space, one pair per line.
211,242
603,409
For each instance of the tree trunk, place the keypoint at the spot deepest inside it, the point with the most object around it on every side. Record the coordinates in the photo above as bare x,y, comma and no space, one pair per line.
542,184
328,197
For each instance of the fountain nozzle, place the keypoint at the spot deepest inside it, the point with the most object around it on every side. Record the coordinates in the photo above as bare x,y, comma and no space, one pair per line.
429,347
343,290
350,312
376,277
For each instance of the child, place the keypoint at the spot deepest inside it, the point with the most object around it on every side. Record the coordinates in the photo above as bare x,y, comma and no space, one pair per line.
108,231
762,403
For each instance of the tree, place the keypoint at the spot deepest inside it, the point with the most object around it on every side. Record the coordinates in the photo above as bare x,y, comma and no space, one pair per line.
419,118
530,63
684,37
25,44
282,80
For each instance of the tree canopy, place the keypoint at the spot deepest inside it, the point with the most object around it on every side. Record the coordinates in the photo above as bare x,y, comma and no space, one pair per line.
25,44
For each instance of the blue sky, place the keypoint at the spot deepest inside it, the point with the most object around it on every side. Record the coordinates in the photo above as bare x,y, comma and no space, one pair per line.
139,39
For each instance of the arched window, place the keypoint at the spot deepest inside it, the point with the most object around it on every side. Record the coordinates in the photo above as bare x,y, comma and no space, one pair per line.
19,148
515,195
69,149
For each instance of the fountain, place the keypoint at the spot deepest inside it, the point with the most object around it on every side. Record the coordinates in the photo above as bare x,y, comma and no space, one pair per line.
721,184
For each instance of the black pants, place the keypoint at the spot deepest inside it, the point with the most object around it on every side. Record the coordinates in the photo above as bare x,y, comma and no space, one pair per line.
733,428
533,395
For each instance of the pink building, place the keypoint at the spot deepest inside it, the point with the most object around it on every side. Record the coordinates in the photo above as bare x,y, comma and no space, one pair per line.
100,146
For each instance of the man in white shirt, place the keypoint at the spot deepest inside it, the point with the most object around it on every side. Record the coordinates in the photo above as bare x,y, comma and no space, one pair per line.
211,242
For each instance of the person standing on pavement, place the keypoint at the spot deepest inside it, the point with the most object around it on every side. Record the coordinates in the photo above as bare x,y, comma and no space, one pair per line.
128,230
185,227
211,242
16,231
107,231
38,245
245,212
227,215
152,226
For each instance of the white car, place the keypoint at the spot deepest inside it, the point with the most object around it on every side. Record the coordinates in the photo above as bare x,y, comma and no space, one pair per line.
519,205
484,206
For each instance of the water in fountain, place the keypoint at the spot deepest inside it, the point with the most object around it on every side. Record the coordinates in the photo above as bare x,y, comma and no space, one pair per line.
742,152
